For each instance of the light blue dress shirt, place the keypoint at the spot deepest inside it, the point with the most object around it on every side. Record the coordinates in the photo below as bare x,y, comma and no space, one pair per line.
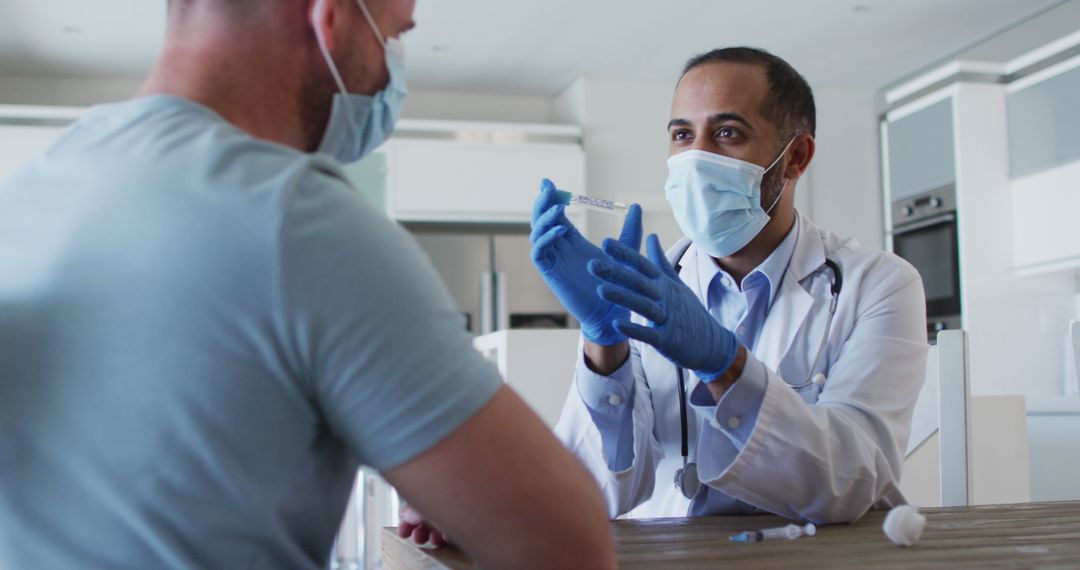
202,336
740,308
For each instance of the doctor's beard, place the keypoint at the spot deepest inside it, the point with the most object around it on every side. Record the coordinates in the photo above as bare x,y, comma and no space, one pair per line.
772,184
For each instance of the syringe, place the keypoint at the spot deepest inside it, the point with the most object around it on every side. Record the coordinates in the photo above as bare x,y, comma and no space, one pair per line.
789,532
566,198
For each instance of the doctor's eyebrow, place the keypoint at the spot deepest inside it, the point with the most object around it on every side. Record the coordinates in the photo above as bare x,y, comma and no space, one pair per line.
717,118
724,117
678,123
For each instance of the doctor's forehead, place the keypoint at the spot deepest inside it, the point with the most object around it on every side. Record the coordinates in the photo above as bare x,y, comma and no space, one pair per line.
719,89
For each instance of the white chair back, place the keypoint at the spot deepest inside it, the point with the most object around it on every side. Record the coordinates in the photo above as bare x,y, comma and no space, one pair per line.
943,409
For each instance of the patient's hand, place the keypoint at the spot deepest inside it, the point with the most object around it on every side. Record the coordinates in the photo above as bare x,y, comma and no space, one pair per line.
422,531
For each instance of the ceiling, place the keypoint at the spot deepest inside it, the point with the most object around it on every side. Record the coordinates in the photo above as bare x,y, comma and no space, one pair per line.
537,47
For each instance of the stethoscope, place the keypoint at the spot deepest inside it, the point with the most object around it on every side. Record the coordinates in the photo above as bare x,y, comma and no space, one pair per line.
686,478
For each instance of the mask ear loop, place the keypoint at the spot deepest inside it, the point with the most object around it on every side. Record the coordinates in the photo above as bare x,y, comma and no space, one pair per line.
371,22
320,38
784,189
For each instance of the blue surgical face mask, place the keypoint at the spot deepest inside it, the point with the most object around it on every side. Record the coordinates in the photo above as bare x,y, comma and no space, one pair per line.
716,199
360,123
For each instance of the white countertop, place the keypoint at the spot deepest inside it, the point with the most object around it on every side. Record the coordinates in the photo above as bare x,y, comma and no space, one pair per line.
1053,406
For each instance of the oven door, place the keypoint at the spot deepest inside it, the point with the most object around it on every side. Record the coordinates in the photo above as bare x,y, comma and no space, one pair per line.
930,245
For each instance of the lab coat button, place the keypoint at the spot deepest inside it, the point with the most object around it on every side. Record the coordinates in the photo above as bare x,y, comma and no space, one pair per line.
734,422
614,400
741,331
726,282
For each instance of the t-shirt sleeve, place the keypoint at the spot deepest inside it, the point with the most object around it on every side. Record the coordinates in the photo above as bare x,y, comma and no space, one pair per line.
384,351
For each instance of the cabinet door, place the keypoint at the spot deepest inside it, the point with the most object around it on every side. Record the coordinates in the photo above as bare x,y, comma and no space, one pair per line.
481,182
1044,162
1045,232
921,153
1055,455
1044,123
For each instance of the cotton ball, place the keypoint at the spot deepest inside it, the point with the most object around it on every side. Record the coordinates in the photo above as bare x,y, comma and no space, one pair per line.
904,525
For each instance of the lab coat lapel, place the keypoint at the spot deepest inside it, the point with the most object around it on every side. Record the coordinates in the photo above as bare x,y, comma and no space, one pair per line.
690,273
793,303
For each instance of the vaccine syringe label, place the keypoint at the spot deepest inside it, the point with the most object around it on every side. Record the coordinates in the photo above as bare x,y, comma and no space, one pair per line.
595,202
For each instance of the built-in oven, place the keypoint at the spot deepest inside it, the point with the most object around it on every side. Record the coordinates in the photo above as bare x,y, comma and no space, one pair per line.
924,233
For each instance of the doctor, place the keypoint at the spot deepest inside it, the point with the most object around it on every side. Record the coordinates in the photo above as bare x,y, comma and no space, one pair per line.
768,365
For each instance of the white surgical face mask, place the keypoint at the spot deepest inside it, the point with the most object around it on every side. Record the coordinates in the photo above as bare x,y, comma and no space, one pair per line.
716,199
360,123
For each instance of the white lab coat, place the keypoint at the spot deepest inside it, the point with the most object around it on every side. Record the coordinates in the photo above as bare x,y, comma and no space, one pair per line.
823,453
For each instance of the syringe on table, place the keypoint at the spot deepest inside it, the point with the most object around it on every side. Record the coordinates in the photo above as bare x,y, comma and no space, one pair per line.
789,532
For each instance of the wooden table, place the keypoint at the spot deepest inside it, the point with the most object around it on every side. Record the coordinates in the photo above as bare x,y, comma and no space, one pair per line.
1044,535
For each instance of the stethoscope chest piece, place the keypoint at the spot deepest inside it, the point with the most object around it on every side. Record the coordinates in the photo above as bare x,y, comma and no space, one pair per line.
686,480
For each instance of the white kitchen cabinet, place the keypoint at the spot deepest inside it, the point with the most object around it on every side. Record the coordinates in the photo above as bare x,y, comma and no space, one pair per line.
1046,237
1054,429
921,154
461,181
538,364
1044,119
1044,158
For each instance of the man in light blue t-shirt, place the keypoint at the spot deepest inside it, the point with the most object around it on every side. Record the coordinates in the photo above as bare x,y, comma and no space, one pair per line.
205,329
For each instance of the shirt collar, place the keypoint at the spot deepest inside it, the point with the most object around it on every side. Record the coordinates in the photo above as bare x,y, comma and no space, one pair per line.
775,266
772,269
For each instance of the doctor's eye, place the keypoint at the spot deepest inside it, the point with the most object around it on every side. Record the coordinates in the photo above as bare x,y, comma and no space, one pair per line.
728,133
682,135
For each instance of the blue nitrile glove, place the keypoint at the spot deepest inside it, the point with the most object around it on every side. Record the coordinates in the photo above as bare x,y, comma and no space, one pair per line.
560,253
681,327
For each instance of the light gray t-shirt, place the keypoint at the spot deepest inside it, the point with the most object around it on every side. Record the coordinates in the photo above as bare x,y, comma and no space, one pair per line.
202,336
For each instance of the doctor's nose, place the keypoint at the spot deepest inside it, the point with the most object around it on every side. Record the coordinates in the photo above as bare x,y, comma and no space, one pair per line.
702,141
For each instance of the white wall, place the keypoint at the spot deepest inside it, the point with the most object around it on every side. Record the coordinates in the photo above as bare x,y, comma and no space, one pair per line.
845,193
625,136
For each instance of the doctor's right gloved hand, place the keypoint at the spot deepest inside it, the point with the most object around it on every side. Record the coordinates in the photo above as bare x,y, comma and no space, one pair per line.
560,253
681,327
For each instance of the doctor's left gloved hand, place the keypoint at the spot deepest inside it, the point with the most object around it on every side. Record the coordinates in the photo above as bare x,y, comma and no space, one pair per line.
681,327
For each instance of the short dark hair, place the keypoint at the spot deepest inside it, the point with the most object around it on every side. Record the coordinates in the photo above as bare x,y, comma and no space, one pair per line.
790,103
